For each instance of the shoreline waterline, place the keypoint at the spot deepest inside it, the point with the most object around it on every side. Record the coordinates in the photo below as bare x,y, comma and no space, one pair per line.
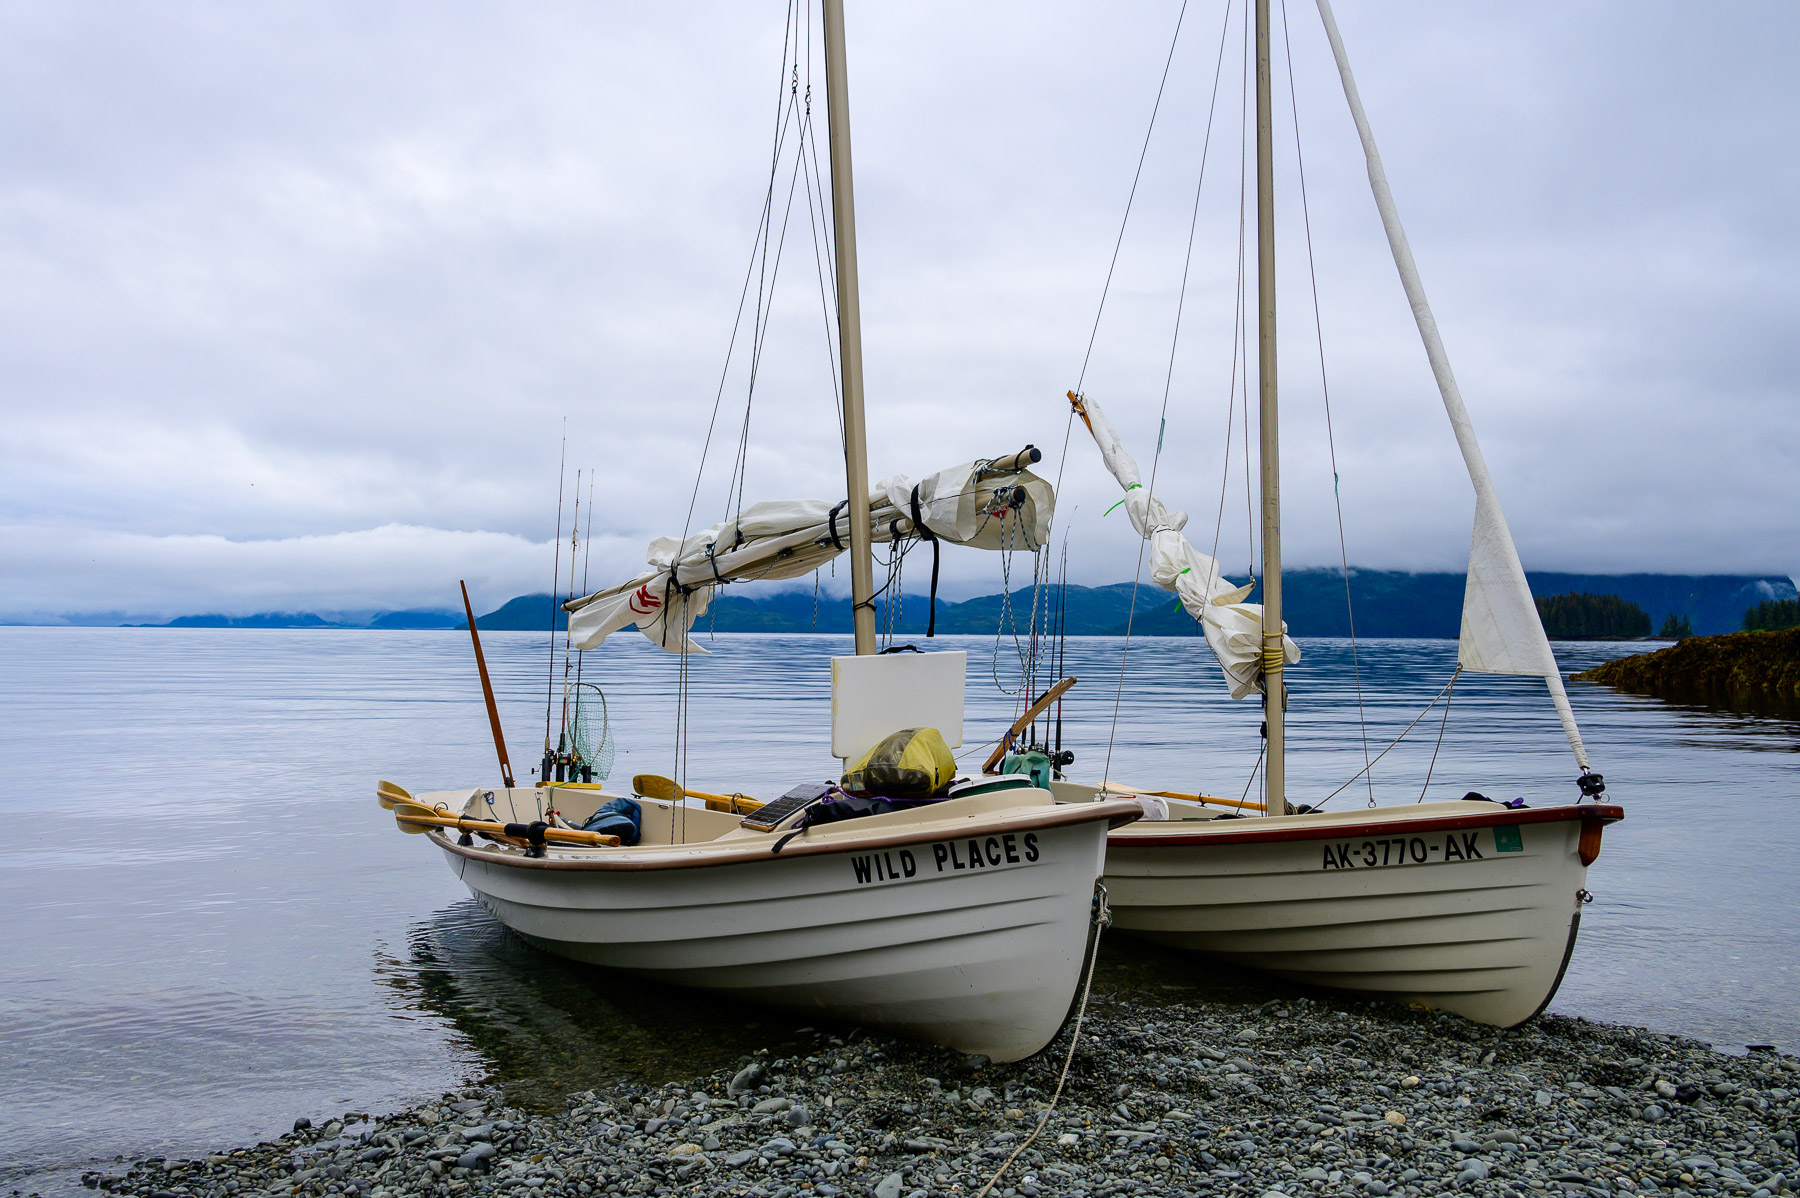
1302,1094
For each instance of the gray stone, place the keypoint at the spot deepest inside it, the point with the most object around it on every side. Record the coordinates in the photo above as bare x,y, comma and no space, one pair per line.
746,1079
798,1117
1654,1113
769,1106
890,1186
477,1156
738,1160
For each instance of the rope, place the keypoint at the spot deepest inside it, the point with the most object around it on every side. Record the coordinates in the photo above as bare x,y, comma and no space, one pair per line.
1102,921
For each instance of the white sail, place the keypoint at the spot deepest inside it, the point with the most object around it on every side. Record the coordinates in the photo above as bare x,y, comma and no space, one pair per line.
973,504
1501,631
1233,628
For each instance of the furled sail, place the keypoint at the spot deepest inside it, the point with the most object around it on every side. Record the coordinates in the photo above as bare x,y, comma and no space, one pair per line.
991,504
1233,628
1501,631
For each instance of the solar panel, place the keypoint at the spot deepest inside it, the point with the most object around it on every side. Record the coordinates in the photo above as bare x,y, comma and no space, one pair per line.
773,814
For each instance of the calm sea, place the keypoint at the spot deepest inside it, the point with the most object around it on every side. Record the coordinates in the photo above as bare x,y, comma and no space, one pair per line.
211,928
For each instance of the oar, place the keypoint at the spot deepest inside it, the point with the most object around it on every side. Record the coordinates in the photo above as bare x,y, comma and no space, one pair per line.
667,790
388,793
414,819
1121,788
1019,725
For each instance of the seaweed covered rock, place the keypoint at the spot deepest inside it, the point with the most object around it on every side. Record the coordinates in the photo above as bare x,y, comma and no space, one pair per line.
1757,670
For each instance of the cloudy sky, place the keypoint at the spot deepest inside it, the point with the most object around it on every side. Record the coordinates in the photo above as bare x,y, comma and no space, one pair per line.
298,297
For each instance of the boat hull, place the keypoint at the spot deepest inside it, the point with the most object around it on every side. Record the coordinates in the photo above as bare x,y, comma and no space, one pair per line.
1471,913
984,959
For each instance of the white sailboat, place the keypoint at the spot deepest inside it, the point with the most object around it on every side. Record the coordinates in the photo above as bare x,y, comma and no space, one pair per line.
964,921
1470,906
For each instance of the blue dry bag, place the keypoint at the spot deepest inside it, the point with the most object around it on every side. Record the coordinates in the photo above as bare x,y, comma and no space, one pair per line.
618,818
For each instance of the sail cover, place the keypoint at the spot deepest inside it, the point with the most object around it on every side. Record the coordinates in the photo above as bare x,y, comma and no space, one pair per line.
1233,628
975,504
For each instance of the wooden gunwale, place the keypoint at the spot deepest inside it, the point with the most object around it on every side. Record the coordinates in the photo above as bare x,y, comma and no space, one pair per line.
1151,836
701,855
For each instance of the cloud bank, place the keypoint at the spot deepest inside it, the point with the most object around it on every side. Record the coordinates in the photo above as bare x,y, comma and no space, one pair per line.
295,300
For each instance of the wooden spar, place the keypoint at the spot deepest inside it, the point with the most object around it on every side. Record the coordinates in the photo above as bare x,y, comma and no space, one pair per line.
1031,713
487,691
1273,649
1119,788
849,314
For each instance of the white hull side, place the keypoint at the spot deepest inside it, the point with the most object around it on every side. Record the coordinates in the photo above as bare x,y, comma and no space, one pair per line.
1487,938
985,961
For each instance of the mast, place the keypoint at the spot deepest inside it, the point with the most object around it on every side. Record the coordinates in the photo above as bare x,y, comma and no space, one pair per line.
1274,688
849,314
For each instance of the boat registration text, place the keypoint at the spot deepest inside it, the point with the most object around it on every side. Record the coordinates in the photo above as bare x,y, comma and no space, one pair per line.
1416,850
946,856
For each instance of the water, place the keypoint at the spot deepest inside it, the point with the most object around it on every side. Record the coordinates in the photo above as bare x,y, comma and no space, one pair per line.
212,928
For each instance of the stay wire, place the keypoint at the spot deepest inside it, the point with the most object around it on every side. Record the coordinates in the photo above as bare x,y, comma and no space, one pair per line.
1449,694
1118,242
555,583
765,312
1349,782
758,243
1312,275
1168,386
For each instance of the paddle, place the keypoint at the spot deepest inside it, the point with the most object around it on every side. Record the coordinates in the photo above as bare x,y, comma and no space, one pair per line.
667,790
415,819
1019,725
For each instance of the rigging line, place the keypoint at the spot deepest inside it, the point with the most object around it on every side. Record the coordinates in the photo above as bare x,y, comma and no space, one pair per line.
587,555
764,315
1168,385
1449,694
1119,241
826,299
1312,275
1254,770
1255,543
1359,773
1132,195
567,733
744,292
555,579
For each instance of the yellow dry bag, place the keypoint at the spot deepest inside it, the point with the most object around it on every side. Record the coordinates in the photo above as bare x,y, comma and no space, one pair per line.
911,763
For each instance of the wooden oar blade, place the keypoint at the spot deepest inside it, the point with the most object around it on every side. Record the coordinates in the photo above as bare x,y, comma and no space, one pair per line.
655,786
388,793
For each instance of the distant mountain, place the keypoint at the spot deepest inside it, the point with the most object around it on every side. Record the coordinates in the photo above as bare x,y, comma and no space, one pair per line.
1387,603
527,613
415,619
419,618
1392,603
267,619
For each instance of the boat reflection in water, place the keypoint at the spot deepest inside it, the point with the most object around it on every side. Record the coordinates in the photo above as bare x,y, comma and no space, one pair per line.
542,1027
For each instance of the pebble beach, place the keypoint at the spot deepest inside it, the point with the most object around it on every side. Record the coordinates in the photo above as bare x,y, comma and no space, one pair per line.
1294,1096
